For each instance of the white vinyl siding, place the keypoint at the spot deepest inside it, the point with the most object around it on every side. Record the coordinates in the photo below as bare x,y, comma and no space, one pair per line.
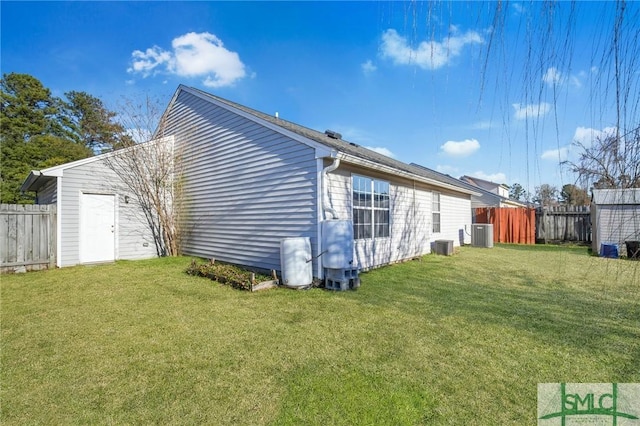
410,217
615,217
133,239
615,225
246,186
455,218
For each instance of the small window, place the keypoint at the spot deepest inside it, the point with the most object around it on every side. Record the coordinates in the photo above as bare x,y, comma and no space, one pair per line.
370,208
435,209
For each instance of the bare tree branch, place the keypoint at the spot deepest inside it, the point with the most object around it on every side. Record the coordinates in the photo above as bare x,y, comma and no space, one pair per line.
151,171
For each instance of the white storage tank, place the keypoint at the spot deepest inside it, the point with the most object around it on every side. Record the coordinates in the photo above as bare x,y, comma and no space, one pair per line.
337,244
295,261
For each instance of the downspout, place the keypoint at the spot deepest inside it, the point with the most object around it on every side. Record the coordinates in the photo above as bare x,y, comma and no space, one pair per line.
326,202
415,222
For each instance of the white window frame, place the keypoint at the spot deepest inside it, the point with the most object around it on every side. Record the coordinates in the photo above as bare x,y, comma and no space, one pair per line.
436,211
366,193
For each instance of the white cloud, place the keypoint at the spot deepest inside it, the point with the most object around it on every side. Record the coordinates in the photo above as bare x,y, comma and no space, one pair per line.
552,76
193,55
482,125
518,8
531,110
586,136
494,177
560,154
429,55
146,62
462,148
368,67
575,81
381,150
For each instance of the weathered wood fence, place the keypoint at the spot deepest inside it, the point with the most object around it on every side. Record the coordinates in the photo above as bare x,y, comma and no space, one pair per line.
27,237
563,223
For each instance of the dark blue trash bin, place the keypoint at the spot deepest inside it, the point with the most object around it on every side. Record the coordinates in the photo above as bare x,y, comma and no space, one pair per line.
609,250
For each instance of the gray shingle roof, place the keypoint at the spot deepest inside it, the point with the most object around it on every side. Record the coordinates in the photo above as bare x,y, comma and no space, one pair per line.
629,196
343,146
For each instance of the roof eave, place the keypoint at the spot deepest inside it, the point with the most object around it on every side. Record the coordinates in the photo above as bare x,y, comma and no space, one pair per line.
36,180
393,171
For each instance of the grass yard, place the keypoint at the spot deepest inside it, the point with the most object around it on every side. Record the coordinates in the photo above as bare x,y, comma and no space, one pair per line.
444,340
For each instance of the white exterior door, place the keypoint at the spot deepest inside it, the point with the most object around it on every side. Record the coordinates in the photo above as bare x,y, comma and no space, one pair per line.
97,228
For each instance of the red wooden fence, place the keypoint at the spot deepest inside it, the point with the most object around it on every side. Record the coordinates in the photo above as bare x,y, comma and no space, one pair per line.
510,225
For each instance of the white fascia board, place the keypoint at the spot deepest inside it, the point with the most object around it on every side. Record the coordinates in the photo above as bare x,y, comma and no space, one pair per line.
393,171
34,175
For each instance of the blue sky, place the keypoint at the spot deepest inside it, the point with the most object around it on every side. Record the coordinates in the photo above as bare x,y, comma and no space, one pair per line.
409,79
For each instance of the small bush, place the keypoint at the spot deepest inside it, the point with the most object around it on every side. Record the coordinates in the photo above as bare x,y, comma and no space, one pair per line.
223,273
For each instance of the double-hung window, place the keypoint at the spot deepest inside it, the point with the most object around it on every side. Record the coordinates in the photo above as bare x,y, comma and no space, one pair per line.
370,208
435,209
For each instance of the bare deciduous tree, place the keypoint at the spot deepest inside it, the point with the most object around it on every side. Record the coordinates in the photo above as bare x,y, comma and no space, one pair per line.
150,170
546,195
610,162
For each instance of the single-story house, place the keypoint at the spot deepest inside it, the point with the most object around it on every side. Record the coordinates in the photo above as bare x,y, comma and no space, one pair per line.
250,180
615,218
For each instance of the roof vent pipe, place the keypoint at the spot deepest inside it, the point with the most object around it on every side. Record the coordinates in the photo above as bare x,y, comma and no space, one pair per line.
332,134
326,204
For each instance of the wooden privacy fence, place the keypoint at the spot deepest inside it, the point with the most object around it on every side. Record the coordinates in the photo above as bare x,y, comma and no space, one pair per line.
510,225
563,223
27,237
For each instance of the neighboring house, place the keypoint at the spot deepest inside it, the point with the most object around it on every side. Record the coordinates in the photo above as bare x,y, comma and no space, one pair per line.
489,199
251,179
491,194
615,217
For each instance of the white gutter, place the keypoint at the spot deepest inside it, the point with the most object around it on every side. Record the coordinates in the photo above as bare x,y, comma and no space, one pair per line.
408,175
326,202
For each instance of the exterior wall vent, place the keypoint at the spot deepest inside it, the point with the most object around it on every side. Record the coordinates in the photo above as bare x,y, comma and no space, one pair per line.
332,134
482,235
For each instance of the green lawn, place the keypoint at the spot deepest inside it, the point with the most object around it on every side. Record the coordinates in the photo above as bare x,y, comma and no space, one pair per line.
444,340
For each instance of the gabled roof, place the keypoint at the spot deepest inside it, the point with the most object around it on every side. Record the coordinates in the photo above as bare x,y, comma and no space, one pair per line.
447,178
478,190
473,181
476,181
349,149
629,196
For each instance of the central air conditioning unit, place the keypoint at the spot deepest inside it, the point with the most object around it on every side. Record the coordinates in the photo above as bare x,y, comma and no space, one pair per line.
444,247
482,235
